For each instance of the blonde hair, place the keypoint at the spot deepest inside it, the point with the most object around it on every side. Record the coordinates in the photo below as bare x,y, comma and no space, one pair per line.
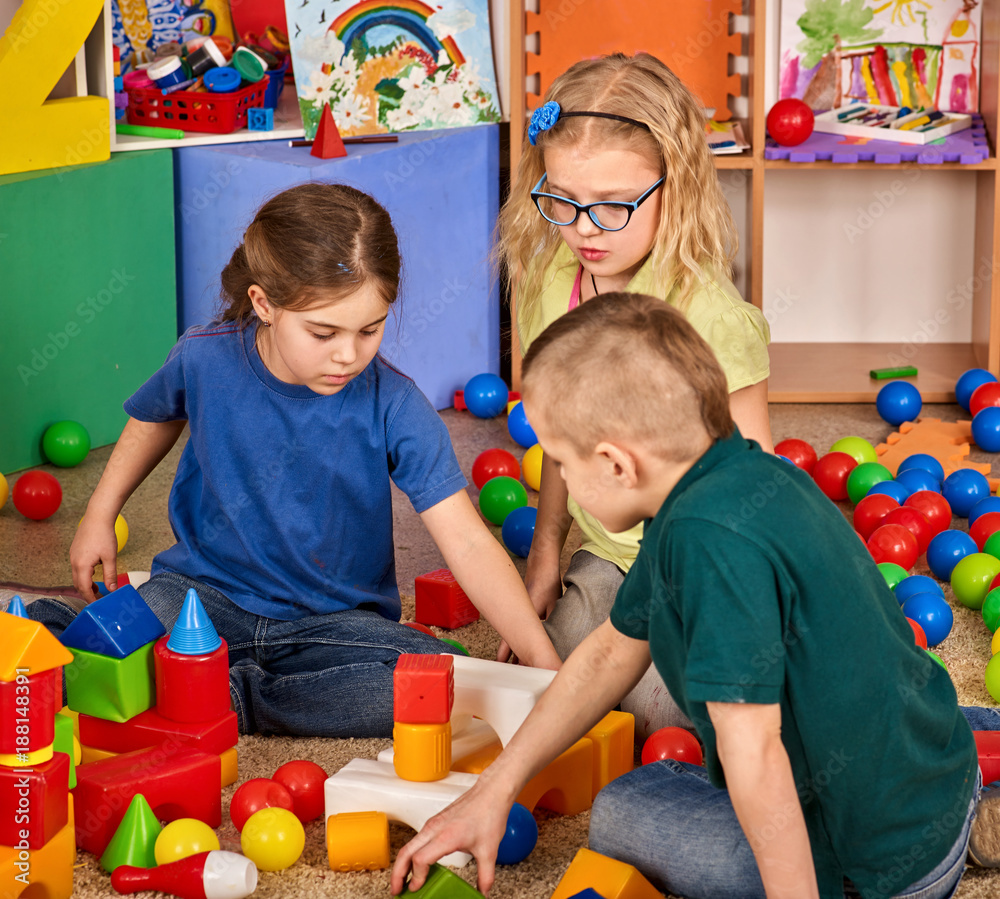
628,364
696,227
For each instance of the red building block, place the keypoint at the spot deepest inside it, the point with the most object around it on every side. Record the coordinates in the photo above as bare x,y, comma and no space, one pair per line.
150,728
191,688
34,802
442,602
423,689
28,712
988,747
178,782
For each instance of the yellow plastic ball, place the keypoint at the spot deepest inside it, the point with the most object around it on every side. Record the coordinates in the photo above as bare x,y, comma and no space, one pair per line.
184,837
273,839
4,490
995,644
121,532
531,467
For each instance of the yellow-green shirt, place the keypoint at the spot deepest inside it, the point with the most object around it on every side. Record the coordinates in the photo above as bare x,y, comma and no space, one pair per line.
734,328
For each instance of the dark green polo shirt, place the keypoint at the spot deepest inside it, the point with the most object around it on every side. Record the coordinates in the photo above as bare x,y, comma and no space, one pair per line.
751,586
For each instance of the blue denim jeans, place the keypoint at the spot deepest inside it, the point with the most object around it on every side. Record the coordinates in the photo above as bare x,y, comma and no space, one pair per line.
319,676
668,820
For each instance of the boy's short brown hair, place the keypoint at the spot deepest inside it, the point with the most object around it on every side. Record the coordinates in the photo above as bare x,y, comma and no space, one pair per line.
626,364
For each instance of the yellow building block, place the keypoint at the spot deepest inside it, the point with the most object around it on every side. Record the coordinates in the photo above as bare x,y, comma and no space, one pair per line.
609,877
28,646
477,762
46,872
566,784
358,841
88,754
27,759
421,752
230,767
614,747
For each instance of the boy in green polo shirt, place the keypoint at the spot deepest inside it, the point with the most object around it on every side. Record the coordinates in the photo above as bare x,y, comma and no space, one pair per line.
836,755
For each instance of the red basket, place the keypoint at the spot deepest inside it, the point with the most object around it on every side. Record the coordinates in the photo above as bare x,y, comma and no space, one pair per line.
195,110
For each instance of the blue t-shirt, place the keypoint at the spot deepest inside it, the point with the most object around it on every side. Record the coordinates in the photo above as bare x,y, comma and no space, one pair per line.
282,499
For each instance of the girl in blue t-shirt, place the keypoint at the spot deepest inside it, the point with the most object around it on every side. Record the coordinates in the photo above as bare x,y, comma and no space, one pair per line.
281,504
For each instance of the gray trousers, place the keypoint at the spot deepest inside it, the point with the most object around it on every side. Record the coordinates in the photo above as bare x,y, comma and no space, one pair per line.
591,584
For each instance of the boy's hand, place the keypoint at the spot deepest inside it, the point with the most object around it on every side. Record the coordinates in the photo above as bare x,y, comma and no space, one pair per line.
95,544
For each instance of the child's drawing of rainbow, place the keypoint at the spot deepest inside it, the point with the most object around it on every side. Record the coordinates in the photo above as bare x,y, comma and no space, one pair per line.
409,15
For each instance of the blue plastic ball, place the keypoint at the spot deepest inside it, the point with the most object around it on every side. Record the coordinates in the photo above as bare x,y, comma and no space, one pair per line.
789,461
520,431
518,529
967,383
932,613
899,492
924,461
520,837
946,550
963,489
986,429
916,479
898,401
486,395
988,504
916,583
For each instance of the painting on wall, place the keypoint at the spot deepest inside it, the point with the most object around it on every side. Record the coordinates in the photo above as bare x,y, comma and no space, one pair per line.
138,27
916,53
393,65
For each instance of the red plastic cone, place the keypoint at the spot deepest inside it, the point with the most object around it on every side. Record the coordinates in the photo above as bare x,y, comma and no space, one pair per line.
327,144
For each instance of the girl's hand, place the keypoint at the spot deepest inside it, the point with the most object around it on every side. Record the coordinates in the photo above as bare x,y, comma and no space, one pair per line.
95,544
543,583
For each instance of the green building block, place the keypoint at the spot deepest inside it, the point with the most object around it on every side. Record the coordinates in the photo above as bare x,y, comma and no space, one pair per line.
113,689
89,295
442,883
64,743
135,839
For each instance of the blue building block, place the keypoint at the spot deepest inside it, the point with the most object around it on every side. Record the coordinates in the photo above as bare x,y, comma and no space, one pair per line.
260,119
115,625
441,189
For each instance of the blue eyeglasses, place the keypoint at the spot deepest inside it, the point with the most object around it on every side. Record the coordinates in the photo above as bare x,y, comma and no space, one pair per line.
607,215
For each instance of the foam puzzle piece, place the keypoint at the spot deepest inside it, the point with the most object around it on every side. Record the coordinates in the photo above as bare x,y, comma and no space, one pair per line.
110,688
609,877
358,841
28,647
423,689
49,874
115,625
440,601
34,802
150,729
947,441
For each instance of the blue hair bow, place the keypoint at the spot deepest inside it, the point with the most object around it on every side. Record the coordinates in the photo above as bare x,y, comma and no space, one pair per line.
542,119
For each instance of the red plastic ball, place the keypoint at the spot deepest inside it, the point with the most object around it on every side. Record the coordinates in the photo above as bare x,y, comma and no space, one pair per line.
492,464
417,626
672,743
37,495
984,395
800,452
994,583
915,522
255,794
918,634
893,543
305,780
935,507
790,122
868,513
830,474
983,527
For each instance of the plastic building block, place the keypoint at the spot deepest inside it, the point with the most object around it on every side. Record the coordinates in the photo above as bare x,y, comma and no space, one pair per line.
207,875
230,767
16,607
589,893
565,785
88,755
328,144
988,747
613,738
150,729
423,689
65,742
115,625
194,634
358,841
608,877
364,785
474,746
135,839
34,801
28,759
259,119
28,712
441,601
48,872
105,687
948,442
443,884
902,371
27,647
177,783
422,752
191,688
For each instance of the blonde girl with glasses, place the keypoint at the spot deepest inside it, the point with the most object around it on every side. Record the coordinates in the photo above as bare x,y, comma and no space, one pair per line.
617,191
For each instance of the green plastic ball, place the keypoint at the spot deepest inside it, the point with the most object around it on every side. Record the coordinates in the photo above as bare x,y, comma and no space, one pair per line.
937,659
892,573
992,544
971,578
500,496
863,477
993,677
66,443
857,448
991,610
454,644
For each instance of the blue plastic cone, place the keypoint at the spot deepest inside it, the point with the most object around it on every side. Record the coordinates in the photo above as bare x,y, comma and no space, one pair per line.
16,607
194,634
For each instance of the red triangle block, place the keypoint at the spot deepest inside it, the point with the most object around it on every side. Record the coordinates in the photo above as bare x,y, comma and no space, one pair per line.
327,144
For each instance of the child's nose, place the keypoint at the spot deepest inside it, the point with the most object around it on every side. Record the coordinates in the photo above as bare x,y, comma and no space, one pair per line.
345,352
585,226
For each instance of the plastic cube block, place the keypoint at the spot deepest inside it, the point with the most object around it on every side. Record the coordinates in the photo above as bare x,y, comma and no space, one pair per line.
565,785
48,872
260,119
422,752
34,802
423,689
988,747
27,647
358,841
608,877
28,712
441,602
149,729
443,884
116,625
105,687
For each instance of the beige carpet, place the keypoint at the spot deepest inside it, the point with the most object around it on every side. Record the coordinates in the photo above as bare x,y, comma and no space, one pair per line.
37,553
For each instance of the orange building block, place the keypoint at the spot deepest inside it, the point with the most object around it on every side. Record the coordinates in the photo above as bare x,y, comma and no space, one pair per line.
89,754
441,601
611,878
358,841
47,872
421,752
230,767
613,738
29,646
423,689
566,784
